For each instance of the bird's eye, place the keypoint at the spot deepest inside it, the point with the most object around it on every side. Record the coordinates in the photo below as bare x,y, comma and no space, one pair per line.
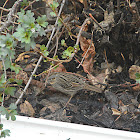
52,81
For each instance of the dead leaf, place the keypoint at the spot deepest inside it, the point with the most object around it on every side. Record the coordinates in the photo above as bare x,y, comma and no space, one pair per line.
136,88
105,65
53,107
88,54
133,70
123,108
27,108
107,22
88,65
48,1
81,1
22,75
119,69
116,112
85,46
22,56
1,65
100,78
93,79
60,68
43,111
29,67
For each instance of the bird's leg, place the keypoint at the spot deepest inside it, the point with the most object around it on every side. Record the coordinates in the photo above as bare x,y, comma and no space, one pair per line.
68,102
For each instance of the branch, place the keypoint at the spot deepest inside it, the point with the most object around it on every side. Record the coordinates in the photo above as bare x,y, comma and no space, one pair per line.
11,13
40,59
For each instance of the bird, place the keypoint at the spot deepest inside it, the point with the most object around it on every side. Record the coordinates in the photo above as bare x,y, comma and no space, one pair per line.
70,84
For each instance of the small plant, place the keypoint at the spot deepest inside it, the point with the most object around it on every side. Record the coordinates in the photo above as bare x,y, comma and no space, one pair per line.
27,30
44,50
24,35
5,132
137,77
68,52
53,6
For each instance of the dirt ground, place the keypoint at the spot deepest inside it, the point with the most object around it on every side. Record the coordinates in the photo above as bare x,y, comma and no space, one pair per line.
113,34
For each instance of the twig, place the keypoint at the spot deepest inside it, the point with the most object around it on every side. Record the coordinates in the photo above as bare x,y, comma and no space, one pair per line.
5,78
96,21
9,16
118,5
30,4
78,37
40,59
84,34
2,10
65,21
86,51
52,61
4,69
47,71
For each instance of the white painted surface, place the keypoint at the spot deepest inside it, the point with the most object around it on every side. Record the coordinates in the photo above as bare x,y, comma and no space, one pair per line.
26,128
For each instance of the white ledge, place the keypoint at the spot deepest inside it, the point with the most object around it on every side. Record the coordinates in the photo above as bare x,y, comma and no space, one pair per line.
27,128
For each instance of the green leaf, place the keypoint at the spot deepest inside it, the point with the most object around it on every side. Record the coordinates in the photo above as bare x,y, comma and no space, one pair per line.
24,3
26,37
56,67
27,46
7,41
5,133
7,63
70,49
54,5
63,43
43,48
77,47
137,77
19,82
59,22
11,80
45,60
10,91
12,106
13,118
1,98
67,53
55,57
2,79
32,43
27,18
10,28
1,126
12,114
42,21
7,45
53,14
3,110
23,35
42,32
45,53
15,68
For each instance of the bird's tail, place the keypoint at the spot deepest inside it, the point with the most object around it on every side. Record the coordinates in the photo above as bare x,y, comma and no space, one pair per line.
93,88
